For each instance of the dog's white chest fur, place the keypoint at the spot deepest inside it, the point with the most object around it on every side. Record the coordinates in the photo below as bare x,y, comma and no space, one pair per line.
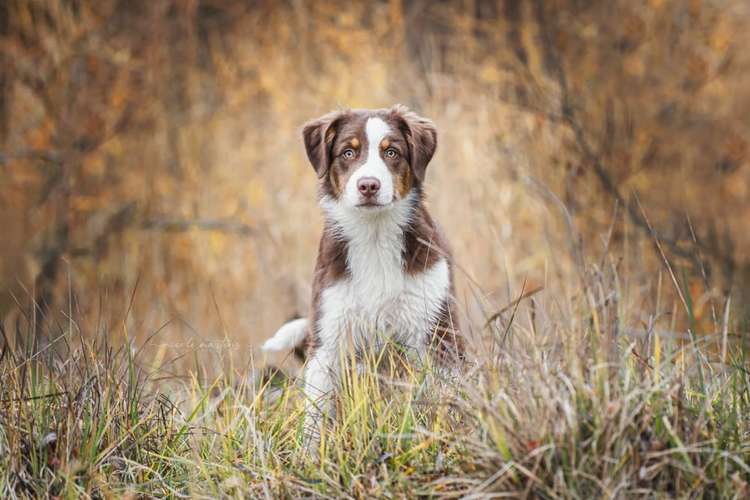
379,300
383,305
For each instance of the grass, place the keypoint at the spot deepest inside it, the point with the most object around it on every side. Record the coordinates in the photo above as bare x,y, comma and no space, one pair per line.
564,398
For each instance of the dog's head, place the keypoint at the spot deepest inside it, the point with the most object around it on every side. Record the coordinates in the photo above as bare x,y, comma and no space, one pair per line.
370,159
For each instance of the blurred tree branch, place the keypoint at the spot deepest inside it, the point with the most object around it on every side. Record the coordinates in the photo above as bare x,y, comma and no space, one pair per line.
177,225
566,114
127,218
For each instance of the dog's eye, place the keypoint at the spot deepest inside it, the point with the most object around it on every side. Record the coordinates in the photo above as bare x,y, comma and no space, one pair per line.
391,153
348,154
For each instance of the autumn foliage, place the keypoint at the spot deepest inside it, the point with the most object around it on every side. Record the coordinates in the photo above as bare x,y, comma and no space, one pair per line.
157,144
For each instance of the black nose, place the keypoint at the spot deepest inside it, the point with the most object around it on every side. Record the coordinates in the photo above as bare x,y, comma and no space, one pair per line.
368,186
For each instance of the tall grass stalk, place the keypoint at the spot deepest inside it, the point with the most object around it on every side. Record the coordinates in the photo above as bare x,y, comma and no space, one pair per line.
570,399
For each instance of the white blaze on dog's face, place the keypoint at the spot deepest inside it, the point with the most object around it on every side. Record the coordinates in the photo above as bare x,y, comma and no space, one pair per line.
373,172
369,159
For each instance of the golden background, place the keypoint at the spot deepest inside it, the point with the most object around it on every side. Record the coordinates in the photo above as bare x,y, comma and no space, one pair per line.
152,175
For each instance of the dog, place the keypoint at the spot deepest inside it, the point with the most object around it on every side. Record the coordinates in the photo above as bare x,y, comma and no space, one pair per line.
384,269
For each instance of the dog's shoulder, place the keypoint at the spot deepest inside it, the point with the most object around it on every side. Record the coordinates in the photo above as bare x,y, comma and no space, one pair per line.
425,242
331,260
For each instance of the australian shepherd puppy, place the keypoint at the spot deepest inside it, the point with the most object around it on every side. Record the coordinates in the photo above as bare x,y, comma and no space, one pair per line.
384,270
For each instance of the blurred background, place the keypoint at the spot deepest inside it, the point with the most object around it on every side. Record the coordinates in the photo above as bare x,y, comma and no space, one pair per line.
152,175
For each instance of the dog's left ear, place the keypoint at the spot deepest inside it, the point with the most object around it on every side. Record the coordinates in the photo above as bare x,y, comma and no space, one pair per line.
421,136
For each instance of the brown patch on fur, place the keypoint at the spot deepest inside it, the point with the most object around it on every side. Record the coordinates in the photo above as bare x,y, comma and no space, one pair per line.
335,181
424,245
421,136
318,137
350,132
329,268
404,183
384,144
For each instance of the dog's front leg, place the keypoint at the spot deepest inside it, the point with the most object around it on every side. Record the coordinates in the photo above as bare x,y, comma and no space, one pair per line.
320,379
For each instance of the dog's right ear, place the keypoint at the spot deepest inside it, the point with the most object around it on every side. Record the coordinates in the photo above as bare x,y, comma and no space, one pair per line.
421,137
318,136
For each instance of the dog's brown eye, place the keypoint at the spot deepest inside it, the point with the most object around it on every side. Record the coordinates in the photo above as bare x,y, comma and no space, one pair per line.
348,154
391,153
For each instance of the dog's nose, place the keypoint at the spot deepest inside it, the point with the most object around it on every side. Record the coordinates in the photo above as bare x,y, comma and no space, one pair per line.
368,186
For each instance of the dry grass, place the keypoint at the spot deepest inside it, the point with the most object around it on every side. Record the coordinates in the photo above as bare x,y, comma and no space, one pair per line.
573,395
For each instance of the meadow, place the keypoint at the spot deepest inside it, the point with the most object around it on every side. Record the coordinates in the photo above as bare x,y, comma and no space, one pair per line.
571,397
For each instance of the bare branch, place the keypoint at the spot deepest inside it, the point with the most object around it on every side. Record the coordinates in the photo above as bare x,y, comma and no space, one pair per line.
179,225
568,117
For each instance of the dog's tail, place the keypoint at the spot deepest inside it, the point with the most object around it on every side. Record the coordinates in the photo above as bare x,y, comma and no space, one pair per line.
290,336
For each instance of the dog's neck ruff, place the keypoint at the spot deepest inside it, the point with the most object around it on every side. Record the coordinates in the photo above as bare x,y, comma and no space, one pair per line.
372,234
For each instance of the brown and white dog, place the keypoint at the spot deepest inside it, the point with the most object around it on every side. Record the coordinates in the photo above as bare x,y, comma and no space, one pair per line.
383,270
